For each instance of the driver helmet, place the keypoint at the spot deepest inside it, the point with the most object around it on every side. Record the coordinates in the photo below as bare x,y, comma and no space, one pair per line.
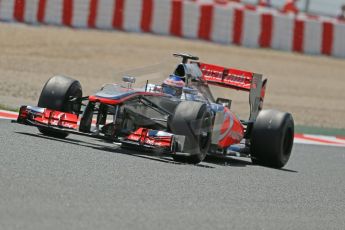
173,85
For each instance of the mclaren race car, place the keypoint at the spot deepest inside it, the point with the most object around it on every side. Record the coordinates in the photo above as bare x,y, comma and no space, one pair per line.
187,127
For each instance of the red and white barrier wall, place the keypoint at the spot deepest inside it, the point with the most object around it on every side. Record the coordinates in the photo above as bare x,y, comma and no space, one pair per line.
221,23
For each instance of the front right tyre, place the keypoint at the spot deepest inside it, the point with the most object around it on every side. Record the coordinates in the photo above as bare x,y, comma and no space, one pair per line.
194,121
56,95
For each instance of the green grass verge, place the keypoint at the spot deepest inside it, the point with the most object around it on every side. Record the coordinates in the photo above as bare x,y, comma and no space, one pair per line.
8,108
320,131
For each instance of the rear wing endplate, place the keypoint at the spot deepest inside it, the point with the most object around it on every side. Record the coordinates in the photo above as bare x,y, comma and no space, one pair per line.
237,79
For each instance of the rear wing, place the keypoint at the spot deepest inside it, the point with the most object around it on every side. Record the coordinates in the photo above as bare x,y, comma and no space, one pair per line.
237,79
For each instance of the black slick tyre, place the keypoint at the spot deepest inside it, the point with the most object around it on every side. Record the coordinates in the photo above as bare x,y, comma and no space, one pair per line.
192,120
56,95
272,138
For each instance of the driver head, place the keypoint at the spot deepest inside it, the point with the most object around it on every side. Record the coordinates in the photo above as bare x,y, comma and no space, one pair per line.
173,85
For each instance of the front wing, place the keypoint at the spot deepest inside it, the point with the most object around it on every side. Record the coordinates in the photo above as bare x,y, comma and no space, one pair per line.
141,139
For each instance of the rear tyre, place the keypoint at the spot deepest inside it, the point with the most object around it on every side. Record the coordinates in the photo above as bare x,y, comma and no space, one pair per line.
56,95
192,120
272,138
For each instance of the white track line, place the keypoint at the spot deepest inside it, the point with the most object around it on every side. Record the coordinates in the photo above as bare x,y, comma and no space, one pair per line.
300,139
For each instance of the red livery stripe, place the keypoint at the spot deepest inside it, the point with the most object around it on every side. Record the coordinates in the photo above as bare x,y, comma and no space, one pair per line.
176,18
327,38
226,77
298,36
118,14
19,10
67,13
238,25
91,21
266,30
205,26
146,15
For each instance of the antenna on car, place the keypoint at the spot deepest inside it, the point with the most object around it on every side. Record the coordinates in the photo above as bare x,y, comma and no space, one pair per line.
147,82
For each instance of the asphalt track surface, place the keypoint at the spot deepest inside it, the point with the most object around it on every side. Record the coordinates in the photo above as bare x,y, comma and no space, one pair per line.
83,183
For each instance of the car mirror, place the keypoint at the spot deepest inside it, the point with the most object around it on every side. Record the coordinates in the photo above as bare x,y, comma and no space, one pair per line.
129,79
224,102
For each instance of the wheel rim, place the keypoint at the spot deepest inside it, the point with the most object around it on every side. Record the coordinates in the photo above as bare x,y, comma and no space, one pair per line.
205,134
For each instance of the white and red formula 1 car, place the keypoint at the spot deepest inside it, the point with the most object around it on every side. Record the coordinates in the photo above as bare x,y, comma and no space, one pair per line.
187,127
